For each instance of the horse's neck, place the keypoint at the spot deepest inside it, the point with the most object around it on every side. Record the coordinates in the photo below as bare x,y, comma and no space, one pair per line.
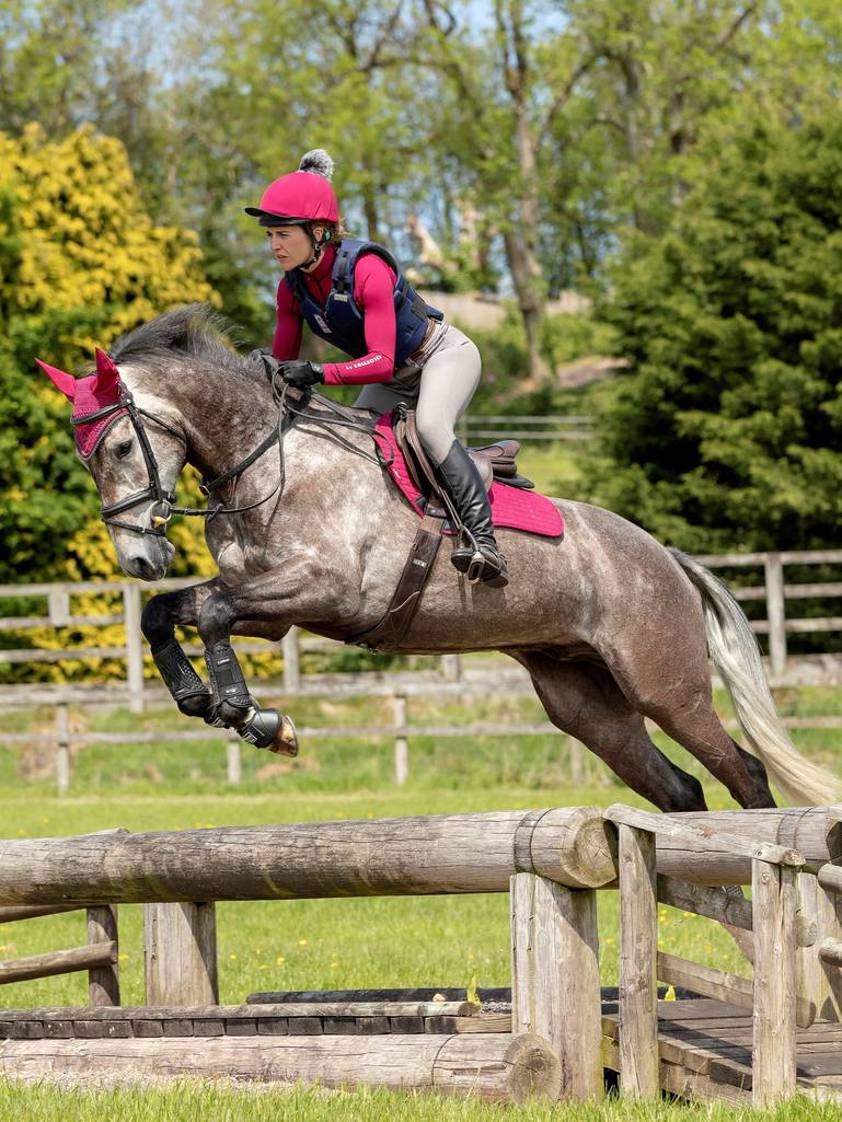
224,414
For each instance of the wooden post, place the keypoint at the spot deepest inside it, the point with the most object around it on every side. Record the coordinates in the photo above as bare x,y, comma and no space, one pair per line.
234,759
577,761
103,981
292,660
180,954
62,749
134,646
828,914
451,667
638,1012
58,606
773,891
555,977
399,707
775,613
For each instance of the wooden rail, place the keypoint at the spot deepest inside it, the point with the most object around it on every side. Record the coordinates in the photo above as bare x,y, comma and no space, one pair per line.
565,427
99,956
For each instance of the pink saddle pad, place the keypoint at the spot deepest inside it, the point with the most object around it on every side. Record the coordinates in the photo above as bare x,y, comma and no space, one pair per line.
512,508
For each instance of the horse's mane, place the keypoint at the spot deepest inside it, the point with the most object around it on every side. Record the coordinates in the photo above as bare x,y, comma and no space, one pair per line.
197,331
192,331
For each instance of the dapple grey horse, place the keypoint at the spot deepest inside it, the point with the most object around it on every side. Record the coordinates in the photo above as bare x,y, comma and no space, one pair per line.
612,626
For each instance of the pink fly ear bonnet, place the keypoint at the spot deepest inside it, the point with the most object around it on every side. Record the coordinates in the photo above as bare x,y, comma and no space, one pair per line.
89,396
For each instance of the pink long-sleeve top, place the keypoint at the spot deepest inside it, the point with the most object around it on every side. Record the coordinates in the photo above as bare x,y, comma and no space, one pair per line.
374,288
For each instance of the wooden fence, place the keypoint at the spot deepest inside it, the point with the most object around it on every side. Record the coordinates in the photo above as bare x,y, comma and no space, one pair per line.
481,430
747,1040
452,674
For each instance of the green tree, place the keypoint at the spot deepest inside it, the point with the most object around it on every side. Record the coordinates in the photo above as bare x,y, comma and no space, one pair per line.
727,431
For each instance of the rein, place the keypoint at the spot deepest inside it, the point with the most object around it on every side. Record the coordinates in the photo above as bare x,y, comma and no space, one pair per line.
288,414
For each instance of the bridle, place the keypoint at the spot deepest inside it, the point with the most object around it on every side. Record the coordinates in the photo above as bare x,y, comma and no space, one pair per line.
163,509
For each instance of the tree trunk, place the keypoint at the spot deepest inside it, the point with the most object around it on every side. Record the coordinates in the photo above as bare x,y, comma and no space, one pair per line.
521,243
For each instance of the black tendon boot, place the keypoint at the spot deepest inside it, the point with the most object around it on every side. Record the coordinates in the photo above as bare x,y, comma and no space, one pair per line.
480,558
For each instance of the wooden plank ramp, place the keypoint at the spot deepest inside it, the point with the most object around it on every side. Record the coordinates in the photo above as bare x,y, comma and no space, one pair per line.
705,1051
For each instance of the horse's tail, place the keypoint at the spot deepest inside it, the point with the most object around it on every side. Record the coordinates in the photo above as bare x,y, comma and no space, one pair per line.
735,654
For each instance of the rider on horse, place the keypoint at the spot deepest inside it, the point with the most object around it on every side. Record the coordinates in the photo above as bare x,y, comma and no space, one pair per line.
353,294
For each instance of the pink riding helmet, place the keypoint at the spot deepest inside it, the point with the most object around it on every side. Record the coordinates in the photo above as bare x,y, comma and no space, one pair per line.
302,196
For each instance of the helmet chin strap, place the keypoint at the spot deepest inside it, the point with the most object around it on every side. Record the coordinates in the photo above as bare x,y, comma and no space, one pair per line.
316,255
318,248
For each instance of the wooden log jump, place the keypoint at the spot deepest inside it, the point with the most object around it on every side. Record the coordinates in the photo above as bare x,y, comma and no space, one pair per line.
549,1035
496,1067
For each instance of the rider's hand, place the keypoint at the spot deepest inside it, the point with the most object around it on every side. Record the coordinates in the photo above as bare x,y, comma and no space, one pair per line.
301,374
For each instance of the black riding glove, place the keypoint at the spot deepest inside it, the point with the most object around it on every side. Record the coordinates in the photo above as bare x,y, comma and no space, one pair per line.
301,374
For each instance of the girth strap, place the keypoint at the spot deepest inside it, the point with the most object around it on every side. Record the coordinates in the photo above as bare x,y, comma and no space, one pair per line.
391,629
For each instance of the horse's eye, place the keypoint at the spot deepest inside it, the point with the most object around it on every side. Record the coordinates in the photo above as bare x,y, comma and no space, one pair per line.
123,449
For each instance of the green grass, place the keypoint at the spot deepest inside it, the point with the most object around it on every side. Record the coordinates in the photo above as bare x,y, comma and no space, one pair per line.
188,1103
554,468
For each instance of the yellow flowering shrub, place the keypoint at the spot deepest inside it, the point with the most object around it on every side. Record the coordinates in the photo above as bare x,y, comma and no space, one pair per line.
81,262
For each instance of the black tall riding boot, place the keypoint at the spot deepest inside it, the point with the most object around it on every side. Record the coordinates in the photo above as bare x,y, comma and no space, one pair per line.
480,559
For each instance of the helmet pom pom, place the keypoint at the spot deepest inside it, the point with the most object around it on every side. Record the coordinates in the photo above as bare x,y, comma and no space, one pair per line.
318,162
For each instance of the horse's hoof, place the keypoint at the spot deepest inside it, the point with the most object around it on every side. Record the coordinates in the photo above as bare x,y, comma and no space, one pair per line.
271,730
287,739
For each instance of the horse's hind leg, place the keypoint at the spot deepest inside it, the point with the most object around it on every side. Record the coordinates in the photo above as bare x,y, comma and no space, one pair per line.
583,699
671,684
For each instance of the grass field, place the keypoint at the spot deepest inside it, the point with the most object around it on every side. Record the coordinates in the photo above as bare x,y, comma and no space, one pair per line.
441,941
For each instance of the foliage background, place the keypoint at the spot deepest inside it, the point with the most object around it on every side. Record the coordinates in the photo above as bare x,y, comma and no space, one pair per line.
676,163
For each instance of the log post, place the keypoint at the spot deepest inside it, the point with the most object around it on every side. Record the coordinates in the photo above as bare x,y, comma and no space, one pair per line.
180,954
399,708
828,914
576,754
134,646
292,661
104,981
773,1050
234,760
555,977
775,613
62,749
638,1008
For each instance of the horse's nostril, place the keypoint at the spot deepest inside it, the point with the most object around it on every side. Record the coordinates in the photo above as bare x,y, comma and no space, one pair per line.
142,567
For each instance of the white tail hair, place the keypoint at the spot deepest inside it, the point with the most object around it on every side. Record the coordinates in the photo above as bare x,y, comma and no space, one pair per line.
735,654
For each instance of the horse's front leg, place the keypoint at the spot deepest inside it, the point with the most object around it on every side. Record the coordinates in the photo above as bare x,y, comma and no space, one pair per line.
303,590
158,623
233,705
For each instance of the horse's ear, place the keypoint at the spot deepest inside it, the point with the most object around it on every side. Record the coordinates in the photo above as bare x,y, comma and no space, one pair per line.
107,374
65,382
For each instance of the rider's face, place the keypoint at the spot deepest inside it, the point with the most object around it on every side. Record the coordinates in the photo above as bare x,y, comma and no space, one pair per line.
291,245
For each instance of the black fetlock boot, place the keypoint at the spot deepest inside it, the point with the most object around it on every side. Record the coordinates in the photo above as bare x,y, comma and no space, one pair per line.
480,559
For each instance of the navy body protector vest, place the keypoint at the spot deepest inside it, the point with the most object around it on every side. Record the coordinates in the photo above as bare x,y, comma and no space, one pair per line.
341,321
